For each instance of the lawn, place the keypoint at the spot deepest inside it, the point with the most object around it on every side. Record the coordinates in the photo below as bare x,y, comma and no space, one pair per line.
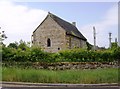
60,76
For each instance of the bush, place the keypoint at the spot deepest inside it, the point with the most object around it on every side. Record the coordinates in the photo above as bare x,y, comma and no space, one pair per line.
20,55
117,54
37,55
7,54
74,55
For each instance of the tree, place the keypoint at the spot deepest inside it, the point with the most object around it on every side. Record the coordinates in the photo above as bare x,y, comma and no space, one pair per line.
114,45
2,36
13,45
22,45
89,46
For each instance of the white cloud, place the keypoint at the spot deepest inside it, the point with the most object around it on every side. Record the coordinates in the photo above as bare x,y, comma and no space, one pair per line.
19,21
108,24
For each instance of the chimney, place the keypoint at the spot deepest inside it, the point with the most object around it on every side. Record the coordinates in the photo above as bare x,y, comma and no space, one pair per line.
74,23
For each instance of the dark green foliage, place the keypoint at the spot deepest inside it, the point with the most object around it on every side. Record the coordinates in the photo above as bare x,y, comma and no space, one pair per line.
89,46
13,45
23,45
7,54
20,55
114,45
106,56
117,53
35,54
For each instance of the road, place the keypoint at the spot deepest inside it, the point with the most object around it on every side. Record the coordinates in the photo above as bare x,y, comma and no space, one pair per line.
20,85
114,87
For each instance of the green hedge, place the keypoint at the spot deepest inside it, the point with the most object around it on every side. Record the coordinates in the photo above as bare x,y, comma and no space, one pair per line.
78,55
74,55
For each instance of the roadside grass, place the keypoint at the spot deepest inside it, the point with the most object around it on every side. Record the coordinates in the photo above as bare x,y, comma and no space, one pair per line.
94,76
0,73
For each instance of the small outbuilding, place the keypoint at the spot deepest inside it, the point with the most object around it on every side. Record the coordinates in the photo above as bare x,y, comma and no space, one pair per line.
55,34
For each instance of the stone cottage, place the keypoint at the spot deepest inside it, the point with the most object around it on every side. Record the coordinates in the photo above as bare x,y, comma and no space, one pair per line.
55,34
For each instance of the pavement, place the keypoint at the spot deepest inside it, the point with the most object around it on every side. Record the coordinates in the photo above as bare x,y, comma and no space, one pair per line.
24,85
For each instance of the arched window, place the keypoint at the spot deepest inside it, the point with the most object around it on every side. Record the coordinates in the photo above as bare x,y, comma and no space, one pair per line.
48,42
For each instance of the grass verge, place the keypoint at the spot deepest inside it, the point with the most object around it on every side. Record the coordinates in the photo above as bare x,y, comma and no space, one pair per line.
65,76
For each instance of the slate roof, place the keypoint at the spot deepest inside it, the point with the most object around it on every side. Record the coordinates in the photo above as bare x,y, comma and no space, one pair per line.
68,27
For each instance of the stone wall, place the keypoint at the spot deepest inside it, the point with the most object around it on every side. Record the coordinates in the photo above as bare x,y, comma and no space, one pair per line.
59,40
62,66
79,65
50,29
74,42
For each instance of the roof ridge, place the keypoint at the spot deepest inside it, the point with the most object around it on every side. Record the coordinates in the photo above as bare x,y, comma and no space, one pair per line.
49,13
69,27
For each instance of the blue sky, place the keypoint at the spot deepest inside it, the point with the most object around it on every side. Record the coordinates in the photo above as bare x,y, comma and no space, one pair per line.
102,15
87,12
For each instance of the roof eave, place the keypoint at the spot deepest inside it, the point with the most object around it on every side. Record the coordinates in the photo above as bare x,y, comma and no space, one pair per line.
67,33
41,23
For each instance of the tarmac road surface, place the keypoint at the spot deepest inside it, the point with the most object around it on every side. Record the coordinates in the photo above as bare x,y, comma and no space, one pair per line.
114,87
22,85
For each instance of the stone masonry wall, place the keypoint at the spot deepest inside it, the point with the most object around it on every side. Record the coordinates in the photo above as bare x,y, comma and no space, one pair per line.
74,42
62,65
50,29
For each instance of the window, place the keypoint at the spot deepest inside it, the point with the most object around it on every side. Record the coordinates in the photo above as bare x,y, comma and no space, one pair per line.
58,48
48,42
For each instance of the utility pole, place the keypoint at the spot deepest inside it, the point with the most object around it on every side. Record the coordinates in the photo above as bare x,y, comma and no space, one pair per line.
115,40
110,39
94,35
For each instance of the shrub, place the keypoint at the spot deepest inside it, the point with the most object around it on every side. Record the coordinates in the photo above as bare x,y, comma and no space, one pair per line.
20,55
117,54
36,54
7,54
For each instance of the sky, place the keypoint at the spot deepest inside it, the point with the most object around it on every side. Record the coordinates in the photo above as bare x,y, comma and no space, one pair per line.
20,19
